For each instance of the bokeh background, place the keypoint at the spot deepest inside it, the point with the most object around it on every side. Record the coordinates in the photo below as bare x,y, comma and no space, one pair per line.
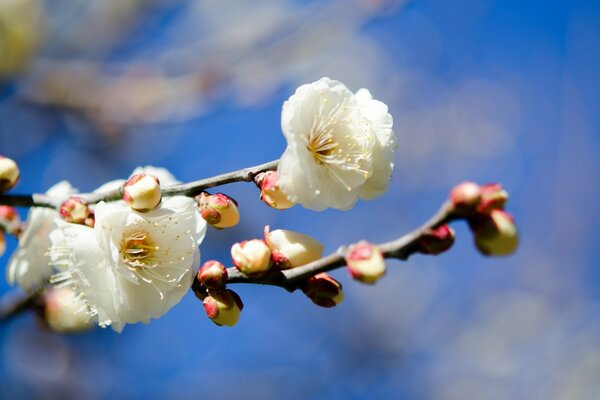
483,90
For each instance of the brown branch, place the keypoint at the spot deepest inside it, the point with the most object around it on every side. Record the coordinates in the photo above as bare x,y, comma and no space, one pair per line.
183,189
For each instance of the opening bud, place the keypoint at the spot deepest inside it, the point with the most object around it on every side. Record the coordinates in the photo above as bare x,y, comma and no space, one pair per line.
9,174
271,193
437,240
75,210
10,220
365,262
223,307
323,290
292,249
64,311
495,233
142,192
212,274
465,196
493,197
251,256
218,210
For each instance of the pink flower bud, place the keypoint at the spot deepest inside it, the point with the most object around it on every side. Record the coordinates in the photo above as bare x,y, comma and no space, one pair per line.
64,311
495,233
75,210
10,219
437,241
212,274
9,174
142,192
365,262
251,256
493,197
2,243
292,249
465,196
223,307
218,210
323,290
271,193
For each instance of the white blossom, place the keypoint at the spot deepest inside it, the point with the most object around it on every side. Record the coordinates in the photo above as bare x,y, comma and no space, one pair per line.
28,266
340,146
131,266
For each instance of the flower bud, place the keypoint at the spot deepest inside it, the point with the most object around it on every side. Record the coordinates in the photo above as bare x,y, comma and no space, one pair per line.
323,290
465,196
218,210
2,243
495,233
142,192
10,219
223,307
251,256
271,193
292,249
64,311
437,240
212,274
75,210
9,174
493,197
365,262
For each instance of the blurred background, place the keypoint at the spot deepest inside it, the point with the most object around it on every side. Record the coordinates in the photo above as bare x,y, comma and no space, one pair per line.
482,90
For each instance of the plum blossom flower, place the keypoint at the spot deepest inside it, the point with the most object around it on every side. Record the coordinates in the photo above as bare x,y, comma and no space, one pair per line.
28,266
131,266
340,146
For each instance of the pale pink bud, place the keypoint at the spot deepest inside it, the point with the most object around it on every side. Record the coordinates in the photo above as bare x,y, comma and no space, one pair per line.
2,243
292,249
75,210
365,262
495,233
223,307
218,210
251,256
64,311
212,274
436,241
10,219
142,192
271,193
465,196
323,290
9,174
493,196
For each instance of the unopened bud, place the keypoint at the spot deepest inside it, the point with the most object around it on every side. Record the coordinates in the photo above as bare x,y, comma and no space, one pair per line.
142,192
10,220
75,210
251,256
365,262
90,220
271,193
292,249
64,311
323,290
437,240
2,243
212,274
493,197
9,174
223,307
495,233
465,196
218,210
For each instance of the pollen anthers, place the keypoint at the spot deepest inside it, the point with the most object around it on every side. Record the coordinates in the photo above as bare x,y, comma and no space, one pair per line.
137,249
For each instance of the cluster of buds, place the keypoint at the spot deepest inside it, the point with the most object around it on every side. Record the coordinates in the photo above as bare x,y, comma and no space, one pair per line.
9,174
142,192
494,229
75,210
222,306
270,192
365,262
218,210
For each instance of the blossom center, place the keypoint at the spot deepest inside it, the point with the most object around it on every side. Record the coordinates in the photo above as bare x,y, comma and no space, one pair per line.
321,146
137,249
